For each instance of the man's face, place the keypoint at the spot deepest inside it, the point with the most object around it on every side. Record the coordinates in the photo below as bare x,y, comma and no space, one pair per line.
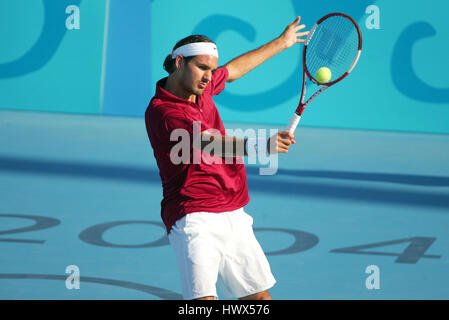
197,73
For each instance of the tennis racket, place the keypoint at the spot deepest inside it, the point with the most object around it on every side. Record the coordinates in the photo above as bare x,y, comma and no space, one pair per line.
335,43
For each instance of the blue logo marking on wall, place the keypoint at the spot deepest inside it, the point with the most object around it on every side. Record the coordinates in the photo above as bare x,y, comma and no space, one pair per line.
111,64
402,72
214,25
47,44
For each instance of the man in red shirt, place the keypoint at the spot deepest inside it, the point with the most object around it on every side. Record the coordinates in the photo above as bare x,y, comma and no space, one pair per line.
204,193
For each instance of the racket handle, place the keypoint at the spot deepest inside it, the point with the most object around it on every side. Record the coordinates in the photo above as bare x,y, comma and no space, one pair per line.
294,121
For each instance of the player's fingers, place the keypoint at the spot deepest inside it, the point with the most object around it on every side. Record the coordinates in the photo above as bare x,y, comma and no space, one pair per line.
282,150
285,142
300,27
280,144
289,142
286,134
283,147
301,40
296,21
302,34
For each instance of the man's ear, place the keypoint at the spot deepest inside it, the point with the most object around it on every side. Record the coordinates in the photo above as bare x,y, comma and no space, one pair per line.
178,61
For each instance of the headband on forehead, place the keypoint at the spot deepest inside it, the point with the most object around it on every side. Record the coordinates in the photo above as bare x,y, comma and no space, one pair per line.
196,49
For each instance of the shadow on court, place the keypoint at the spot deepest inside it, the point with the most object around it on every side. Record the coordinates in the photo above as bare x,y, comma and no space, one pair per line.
276,184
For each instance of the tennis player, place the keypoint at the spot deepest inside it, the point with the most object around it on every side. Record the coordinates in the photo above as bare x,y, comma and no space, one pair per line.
203,203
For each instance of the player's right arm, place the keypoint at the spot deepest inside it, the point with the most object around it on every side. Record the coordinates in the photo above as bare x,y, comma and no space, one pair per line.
171,125
228,146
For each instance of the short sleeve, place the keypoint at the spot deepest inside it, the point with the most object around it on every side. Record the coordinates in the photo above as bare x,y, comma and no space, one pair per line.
218,82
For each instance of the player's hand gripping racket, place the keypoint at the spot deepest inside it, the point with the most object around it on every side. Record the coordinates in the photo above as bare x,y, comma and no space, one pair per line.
330,53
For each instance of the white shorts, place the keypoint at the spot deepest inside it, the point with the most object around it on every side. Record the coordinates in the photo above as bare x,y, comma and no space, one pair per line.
219,247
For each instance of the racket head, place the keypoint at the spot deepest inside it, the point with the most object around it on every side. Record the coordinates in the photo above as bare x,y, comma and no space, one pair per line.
334,42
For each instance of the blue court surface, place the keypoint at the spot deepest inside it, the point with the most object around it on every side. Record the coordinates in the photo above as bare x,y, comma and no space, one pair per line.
349,214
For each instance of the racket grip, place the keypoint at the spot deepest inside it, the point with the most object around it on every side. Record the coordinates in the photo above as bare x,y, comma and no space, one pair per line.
294,121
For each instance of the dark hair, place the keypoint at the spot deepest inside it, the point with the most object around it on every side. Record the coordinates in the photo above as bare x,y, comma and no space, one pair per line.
169,63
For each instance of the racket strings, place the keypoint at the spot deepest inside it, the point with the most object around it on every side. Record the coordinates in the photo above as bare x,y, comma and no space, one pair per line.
334,45
334,34
333,52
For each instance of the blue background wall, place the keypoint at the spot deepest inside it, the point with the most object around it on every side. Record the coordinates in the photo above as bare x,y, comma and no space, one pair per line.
44,66
110,65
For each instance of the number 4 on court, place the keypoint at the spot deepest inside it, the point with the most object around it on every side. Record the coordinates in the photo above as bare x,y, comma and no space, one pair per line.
412,253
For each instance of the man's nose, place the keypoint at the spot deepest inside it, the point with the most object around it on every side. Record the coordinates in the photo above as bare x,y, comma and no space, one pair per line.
207,76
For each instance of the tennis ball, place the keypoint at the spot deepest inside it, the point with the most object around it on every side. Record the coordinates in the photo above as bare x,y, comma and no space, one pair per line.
323,75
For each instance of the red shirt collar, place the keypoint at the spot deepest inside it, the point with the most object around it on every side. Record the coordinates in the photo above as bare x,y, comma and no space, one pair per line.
163,94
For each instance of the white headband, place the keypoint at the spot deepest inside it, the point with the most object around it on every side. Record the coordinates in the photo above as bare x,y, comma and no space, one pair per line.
196,49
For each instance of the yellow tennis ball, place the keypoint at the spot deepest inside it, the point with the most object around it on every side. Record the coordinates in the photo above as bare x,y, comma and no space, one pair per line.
323,75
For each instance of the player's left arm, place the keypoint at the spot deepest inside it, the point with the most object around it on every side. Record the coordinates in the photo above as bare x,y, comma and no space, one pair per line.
250,60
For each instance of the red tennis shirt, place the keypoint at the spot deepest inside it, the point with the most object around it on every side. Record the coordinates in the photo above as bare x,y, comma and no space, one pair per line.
193,186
